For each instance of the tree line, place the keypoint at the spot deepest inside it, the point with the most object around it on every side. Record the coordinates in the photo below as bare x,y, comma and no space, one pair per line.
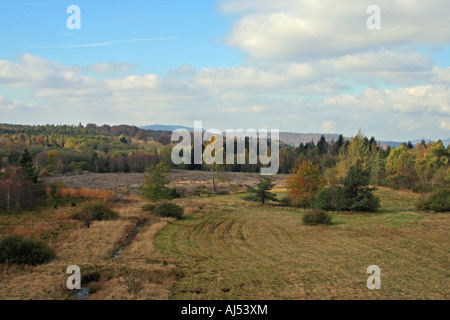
65,149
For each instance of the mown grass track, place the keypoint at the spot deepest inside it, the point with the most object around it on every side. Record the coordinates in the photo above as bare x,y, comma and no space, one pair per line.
235,250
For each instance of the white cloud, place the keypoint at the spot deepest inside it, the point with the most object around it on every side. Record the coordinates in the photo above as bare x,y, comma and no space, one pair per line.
305,29
279,96
445,125
329,126
419,100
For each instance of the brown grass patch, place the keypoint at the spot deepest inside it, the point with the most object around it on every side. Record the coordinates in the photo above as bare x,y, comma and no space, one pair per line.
90,249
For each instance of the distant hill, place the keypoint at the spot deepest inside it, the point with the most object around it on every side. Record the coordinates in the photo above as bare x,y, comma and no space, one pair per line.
294,138
162,127
446,142
396,144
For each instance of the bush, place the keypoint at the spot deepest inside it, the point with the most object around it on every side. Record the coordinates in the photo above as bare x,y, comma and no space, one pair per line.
93,276
17,250
148,207
261,193
286,201
94,212
201,191
173,193
438,201
169,210
316,217
330,199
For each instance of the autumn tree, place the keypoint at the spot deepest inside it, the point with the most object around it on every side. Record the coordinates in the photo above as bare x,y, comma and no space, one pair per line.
358,149
378,168
400,168
433,159
123,139
164,139
304,182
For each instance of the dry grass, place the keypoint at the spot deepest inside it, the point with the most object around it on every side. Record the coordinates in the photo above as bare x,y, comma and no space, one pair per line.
91,249
227,248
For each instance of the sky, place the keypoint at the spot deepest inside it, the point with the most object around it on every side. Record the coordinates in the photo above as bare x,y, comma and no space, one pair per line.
295,65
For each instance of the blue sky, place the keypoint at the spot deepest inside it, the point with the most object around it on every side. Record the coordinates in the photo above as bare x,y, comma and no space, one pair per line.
185,32
293,65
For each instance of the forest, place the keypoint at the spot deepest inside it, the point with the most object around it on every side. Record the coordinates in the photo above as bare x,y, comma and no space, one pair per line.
30,152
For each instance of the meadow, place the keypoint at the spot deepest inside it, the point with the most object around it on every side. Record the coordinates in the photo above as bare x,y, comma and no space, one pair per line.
228,248
235,250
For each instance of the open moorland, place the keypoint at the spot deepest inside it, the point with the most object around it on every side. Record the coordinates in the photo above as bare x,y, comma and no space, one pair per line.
228,248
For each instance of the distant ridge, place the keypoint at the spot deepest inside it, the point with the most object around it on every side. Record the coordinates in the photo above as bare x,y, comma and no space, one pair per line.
294,138
162,127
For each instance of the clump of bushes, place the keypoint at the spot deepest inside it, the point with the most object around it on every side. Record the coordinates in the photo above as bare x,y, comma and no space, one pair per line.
316,217
201,191
94,212
355,194
148,207
17,250
438,201
286,201
331,198
169,210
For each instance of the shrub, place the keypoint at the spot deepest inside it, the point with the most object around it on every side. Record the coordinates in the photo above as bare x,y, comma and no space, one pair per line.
438,201
17,250
148,207
201,190
169,210
94,212
330,199
316,217
355,194
262,191
173,193
286,201
93,276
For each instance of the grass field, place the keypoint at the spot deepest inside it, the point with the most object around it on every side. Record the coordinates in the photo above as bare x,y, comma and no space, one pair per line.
227,248
231,249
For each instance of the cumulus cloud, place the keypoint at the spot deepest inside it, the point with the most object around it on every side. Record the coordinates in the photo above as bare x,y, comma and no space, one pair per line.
299,30
289,95
419,100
